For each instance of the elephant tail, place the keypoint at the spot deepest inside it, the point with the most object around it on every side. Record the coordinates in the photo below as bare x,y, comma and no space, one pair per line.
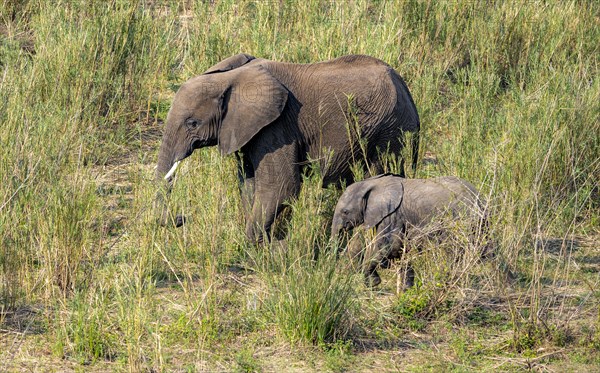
407,110
415,138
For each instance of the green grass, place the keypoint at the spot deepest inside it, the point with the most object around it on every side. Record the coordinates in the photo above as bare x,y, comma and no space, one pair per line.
508,96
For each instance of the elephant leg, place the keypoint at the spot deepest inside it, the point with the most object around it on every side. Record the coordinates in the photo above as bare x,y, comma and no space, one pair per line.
405,278
360,258
385,246
160,205
409,280
377,167
355,252
376,252
372,278
401,171
380,154
386,263
247,195
262,216
245,182
277,179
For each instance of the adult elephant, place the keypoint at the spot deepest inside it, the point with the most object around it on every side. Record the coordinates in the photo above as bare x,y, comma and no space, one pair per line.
277,116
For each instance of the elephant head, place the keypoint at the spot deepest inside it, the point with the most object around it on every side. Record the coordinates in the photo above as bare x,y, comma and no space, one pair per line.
367,203
225,106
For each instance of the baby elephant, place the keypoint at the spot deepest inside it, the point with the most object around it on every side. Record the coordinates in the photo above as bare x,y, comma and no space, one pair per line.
398,209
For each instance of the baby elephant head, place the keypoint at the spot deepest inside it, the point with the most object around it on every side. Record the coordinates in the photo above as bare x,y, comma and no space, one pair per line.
367,203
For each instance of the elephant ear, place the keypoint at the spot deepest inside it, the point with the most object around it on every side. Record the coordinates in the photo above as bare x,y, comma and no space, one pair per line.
254,100
230,63
384,198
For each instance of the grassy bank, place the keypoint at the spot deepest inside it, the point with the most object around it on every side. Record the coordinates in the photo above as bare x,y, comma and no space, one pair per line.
508,96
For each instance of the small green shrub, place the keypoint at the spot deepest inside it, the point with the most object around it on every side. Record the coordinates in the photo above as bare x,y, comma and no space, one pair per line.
246,362
413,308
339,357
88,332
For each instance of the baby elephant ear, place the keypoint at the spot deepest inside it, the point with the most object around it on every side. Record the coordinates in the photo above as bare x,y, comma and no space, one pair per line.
382,200
254,100
230,63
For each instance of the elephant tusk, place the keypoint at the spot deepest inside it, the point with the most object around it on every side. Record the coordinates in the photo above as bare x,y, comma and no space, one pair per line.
172,170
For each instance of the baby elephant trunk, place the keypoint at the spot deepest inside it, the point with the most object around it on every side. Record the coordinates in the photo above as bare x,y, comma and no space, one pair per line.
336,229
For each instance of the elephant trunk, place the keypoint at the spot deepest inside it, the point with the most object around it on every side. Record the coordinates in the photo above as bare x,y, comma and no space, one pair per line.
165,170
166,162
335,238
415,150
336,228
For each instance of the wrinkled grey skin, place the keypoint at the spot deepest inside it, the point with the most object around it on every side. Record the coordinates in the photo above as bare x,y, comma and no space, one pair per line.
277,116
397,208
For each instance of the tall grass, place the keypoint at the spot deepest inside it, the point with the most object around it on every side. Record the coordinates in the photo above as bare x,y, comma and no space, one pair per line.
508,98
311,294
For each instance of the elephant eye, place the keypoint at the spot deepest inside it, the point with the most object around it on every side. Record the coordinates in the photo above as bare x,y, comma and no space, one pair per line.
191,122
345,211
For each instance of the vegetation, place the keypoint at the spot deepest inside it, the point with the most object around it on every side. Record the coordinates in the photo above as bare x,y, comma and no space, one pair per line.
508,94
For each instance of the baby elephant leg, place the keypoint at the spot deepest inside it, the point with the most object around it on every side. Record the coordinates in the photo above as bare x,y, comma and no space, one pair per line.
355,252
377,252
405,279
361,256
409,280
372,278
405,274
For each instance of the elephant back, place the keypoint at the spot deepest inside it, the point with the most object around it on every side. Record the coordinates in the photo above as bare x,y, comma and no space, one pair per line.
343,100
428,199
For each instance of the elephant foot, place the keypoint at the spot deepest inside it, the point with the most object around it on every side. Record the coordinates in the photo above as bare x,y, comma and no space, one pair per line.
488,252
180,220
372,279
385,263
408,280
409,283
279,247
